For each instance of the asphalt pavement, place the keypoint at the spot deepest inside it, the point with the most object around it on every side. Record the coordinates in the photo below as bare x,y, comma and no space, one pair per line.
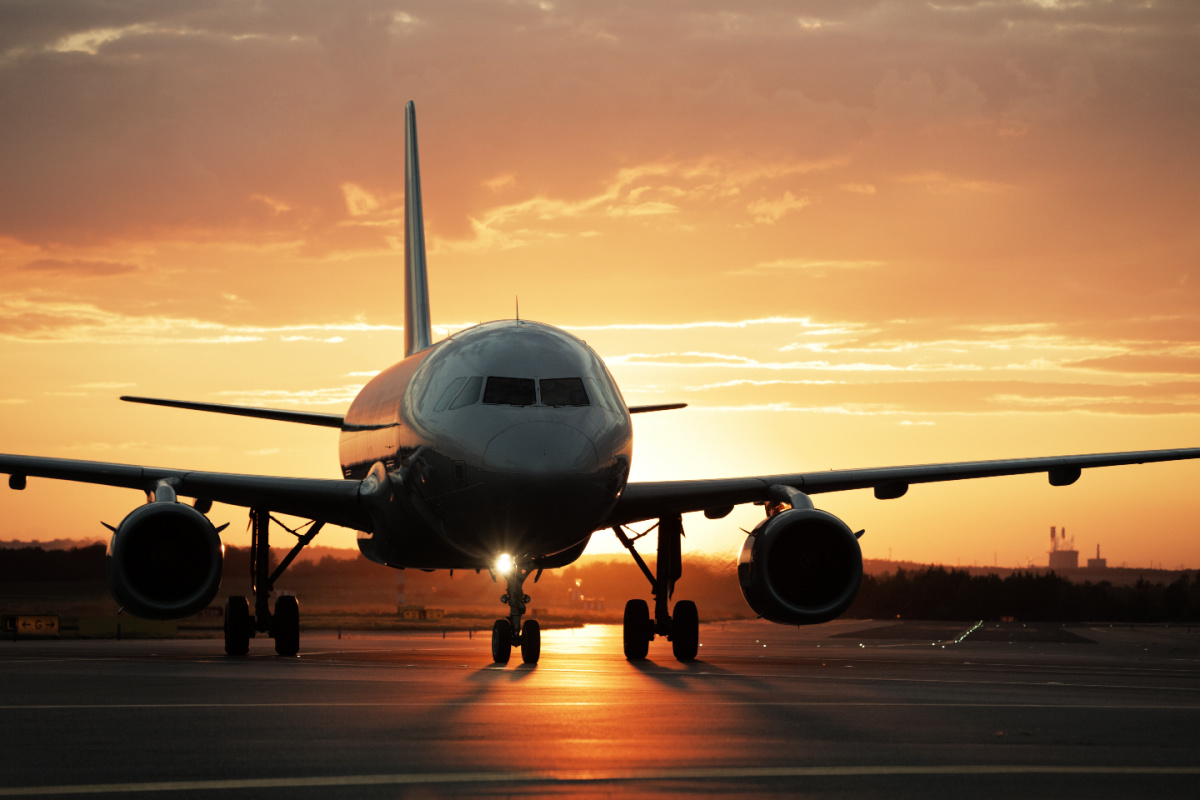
847,709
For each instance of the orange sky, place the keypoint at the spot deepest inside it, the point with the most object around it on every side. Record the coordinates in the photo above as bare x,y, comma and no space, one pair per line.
848,234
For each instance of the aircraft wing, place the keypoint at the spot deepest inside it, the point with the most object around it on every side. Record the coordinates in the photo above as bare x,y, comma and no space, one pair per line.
333,501
303,417
643,501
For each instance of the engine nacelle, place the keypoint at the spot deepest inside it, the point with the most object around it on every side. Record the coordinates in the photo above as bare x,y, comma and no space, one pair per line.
800,567
164,561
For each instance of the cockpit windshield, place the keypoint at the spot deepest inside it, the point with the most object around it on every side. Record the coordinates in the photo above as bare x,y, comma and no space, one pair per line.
500,391
510,391
563,392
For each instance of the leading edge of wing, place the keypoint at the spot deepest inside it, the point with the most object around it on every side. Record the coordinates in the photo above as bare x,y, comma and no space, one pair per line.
334,501
642,501
303,417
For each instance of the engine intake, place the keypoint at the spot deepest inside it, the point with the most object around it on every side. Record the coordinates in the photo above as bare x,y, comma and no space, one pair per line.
164,561
800,567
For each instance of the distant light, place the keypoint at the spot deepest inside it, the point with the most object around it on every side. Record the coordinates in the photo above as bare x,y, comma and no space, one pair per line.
504,564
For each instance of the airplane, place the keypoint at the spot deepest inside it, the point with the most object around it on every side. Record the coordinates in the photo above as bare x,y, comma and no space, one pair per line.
503,447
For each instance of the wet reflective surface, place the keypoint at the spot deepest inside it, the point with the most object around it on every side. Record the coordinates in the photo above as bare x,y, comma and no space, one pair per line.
839,710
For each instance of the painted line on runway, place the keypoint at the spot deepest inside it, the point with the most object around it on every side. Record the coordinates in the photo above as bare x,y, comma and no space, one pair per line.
588,777
594,704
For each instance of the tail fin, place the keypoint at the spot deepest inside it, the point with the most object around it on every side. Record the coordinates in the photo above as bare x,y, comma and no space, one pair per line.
418,332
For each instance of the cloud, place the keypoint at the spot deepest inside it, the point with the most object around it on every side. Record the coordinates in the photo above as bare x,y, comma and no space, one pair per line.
768,212
732,361
653,189
807,264
27,320
803,322
1071,89
918,99
78,268
325,396
1160,363
941,182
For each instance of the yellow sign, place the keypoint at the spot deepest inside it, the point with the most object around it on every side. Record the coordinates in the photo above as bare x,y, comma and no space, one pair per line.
43,625
418,612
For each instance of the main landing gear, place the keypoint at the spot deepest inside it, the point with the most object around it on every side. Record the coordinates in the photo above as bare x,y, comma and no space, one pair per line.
284,625
508,633
683,627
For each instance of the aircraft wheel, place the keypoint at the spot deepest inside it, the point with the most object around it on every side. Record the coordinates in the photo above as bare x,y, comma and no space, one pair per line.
501,641
637,630
237,626
531,641
286,626
685,631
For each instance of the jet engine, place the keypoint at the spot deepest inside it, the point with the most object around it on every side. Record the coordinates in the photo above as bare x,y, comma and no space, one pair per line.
800,567
164,561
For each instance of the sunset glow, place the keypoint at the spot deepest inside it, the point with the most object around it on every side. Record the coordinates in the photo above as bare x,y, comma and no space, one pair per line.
850,234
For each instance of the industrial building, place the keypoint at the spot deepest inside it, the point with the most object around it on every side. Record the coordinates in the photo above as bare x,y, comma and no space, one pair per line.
1063,554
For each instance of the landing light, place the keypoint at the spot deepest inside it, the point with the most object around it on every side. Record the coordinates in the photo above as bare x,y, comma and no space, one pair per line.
504,564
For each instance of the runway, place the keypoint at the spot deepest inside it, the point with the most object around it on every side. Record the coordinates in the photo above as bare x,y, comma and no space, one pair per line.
848,709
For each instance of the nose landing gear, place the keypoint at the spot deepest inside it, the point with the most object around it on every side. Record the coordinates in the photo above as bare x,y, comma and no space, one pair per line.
509,633
683,627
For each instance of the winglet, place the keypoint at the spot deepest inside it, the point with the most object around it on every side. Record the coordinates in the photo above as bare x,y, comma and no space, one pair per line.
418,332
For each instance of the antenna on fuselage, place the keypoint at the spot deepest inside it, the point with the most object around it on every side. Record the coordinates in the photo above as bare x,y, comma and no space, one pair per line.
418,331
518,299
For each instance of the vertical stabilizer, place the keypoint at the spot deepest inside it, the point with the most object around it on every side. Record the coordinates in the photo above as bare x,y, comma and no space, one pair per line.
418,333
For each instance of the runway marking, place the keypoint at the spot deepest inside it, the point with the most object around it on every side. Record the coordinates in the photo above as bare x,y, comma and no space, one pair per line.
596,704
588,776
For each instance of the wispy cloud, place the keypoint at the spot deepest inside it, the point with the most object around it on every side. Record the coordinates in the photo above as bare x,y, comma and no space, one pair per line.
23,319
803,322
650,190
106,385
325,396
768,212
807,264
78,267
731,361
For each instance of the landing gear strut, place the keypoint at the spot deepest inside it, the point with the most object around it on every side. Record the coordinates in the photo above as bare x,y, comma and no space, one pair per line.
284,625
682,628
508,633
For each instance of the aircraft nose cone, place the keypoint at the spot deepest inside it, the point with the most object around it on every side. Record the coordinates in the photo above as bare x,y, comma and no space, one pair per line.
541,448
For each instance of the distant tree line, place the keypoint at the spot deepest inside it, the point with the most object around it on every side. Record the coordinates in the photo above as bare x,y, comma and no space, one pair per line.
935,593
938,593
35,565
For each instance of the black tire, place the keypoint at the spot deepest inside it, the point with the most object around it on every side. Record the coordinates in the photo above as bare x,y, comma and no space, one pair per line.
286,626
501,641
685,631
237,626
637,631
531,641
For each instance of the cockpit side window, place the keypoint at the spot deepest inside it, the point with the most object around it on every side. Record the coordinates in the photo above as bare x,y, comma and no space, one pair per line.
563,392
597,396
510,392
469,394
448,395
